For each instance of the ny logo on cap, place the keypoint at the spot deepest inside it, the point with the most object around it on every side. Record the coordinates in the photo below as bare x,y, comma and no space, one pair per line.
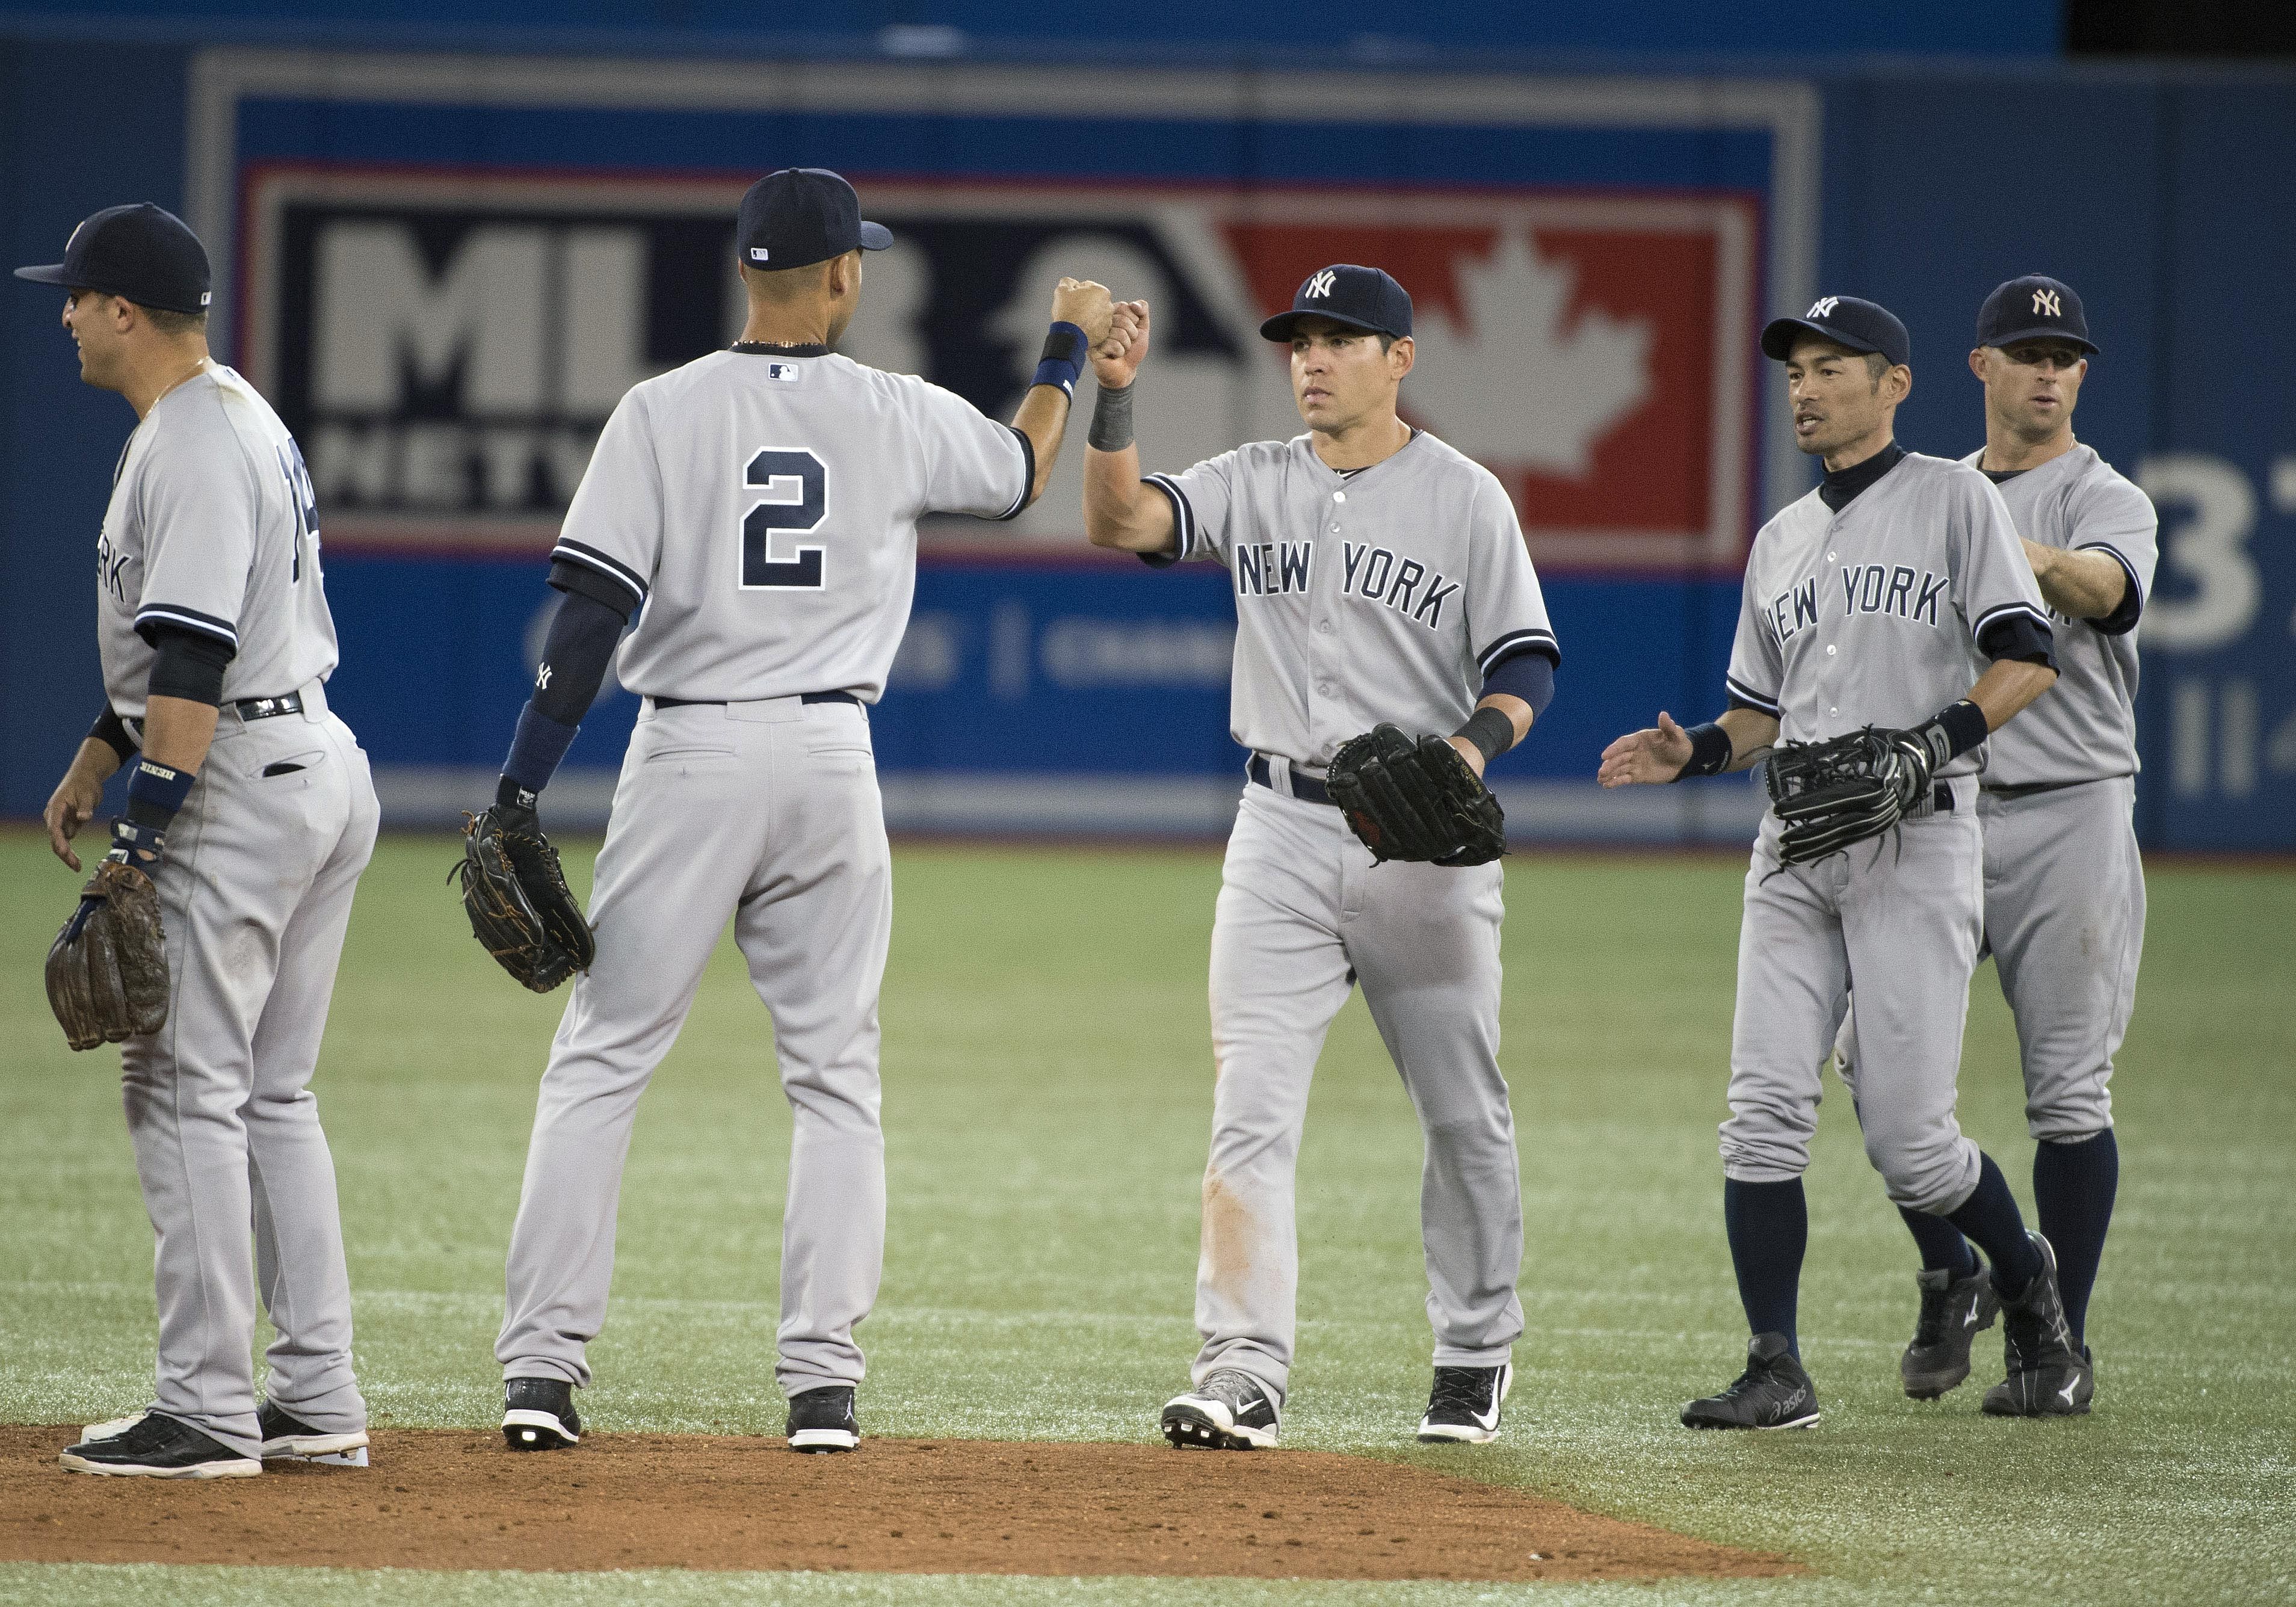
1320,285
2045,302
1821,308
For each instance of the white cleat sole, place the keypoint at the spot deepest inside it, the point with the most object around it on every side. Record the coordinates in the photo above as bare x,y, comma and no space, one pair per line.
824,1439
335,1450
1451,1433
237,1467
1196,1421
536,1429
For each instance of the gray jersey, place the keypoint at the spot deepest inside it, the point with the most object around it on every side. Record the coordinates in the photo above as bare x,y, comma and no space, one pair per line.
763,510
1872,616
212,529
1387,595
2085,728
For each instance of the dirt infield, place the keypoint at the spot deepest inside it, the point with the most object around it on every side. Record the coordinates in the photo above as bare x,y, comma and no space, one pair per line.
452,1499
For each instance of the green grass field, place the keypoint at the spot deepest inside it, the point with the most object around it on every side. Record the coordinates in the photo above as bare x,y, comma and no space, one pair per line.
1047,1087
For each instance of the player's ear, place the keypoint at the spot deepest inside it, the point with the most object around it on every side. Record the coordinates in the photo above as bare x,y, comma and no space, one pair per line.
1400,357
1978,364
1898,384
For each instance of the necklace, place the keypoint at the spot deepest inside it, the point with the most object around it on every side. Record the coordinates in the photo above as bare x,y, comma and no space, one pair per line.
192,372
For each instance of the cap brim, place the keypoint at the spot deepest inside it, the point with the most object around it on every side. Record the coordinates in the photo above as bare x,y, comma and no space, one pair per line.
1280,327
50,272
2045,333
1779,335
875,236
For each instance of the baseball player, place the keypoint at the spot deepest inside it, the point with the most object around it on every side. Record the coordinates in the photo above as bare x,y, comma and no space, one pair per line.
1380,577
1875,601
250,810
2064,885
757,509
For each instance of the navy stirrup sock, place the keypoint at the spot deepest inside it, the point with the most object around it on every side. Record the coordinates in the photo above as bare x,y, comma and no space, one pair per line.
2073,1188
1942,1247
1990,1218
1770,1228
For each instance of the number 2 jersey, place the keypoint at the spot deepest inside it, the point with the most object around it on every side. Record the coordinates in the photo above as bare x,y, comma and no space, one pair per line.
760,509
211,529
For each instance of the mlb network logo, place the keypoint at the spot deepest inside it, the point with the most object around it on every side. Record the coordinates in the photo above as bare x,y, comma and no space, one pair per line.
447,347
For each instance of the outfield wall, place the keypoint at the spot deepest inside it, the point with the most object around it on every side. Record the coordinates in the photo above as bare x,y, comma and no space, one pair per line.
444,268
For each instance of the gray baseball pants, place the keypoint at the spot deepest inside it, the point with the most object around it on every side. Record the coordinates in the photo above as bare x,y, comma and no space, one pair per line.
1303,913
1900,916
767,813
255,893
2064,916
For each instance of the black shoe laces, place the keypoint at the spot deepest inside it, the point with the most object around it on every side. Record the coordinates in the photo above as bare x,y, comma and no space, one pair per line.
1466,1388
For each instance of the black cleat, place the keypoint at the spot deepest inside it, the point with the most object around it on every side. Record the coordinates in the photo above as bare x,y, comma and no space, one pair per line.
1465,1407
157,1445
291,1438
1229,1411
2049,1375
1953,1312
823,1420
538,1416
1773,1392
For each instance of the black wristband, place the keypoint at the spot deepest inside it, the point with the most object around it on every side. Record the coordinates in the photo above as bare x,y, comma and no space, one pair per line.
1491,732
1112,420
1960,725
112,731
1710,751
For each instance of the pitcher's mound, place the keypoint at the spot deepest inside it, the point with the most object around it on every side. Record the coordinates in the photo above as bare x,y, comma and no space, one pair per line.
454,1499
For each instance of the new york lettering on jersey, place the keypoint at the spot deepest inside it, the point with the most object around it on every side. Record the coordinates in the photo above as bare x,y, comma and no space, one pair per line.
1384,594
1873,616
212,529
776,555
2085,728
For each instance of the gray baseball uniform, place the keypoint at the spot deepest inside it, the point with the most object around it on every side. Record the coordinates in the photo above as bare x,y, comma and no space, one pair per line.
211,529
1872,615
2065,883
763,510
1386,595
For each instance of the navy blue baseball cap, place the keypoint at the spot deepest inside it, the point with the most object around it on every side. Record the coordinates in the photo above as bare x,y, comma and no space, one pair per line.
1361,297
800,215
2032,308
1849,322
141,252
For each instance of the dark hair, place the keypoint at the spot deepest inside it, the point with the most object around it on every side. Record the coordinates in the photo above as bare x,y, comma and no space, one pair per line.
169,322
1877,366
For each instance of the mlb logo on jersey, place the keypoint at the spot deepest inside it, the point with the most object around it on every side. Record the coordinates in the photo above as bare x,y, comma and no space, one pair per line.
447,346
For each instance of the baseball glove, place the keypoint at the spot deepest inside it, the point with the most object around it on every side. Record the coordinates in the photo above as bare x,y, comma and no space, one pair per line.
1415,800
108,968
518,900
1831,794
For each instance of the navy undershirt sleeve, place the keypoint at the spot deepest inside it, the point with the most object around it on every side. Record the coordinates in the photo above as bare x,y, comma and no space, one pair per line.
580,645
1529,674
2018,636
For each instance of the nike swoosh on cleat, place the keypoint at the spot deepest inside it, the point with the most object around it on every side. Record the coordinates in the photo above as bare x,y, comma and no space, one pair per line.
1971,1321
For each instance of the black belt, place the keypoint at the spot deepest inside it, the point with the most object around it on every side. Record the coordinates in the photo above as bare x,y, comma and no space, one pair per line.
263,709
1305,788
809,697
2029,788
247,708
1941,800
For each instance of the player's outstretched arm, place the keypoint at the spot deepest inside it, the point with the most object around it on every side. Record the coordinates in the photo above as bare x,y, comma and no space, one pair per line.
1081,318
1664,753
2011,683
2080,585
78,796
1120,512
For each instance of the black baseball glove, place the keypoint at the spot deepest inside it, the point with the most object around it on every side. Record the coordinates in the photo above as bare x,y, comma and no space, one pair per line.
1415,800
518,900
108,968
1831,794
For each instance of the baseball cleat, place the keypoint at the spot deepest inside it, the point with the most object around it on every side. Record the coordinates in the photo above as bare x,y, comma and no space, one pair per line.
2049,1375
290,1439
823,1420
1465,1407
160,1447
1953,1312
1229,1411
538,1416
1773,1392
